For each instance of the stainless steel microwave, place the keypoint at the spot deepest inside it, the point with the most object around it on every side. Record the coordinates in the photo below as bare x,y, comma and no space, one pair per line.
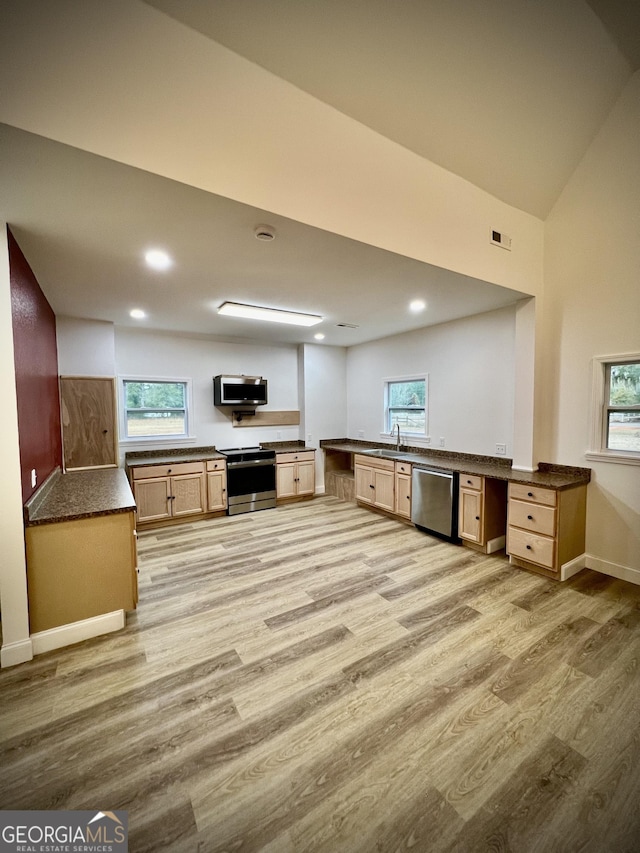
239,391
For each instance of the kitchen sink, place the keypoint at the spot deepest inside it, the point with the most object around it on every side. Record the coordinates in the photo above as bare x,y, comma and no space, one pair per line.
384,452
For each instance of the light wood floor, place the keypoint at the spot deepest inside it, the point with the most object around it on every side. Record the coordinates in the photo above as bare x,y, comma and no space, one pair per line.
322,678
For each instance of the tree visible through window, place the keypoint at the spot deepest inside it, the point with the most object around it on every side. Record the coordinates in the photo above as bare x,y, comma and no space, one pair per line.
407,405
622,410
155,408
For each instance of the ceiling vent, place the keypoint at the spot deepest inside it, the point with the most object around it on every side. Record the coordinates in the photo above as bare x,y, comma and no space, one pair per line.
347,326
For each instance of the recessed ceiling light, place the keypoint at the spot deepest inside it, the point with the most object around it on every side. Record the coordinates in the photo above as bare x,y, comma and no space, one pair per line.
157,259
319,336
266,233
137,314
271,315
417,305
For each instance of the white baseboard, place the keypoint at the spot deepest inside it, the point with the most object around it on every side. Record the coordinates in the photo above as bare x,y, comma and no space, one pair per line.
568,570
496,544
15,653
75,632
320,490
615,570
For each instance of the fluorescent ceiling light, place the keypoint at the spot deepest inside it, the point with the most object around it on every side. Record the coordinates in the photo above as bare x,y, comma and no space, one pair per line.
271,315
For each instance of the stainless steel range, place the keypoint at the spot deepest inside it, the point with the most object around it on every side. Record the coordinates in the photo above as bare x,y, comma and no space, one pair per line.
251,479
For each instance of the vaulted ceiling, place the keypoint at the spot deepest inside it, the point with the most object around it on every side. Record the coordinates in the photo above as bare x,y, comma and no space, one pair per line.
506,94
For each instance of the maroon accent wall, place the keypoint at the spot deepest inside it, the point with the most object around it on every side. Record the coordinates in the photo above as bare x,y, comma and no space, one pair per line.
36,361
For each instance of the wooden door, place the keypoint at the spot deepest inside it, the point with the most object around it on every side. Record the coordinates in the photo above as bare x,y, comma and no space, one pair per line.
216,490
364,484
470,518
403,495
285,480
89,433
306,478
152,498
384,489
187,494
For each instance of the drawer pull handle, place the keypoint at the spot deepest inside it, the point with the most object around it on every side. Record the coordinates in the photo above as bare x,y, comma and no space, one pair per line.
168,470
530,517
469,482
529,548
529,494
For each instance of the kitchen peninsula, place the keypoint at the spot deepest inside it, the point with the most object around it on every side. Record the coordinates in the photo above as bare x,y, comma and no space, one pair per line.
81,556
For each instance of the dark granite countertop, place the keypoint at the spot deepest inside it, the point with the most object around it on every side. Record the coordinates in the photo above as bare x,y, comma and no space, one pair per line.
79,494
164,457
193,454
551,476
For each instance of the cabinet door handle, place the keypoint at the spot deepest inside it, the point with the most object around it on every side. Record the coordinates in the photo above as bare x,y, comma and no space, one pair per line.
477,518
105,431
370,486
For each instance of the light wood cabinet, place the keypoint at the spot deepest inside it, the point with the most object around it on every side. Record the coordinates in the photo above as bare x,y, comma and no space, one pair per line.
216,485
403,489
482,512
80,569
546,530
295,474
375,482
169,491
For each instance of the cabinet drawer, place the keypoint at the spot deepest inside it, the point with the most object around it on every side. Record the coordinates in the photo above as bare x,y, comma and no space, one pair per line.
535,517
531,547
403,468
469,481
146,472
296,456
532,493
216,464
375,462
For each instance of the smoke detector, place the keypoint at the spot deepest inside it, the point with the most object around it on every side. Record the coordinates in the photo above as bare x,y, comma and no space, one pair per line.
266,233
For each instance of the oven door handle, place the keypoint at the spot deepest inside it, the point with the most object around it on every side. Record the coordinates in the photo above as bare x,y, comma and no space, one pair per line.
252,463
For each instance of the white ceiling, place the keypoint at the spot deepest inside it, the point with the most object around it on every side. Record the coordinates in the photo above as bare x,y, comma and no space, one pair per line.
507,94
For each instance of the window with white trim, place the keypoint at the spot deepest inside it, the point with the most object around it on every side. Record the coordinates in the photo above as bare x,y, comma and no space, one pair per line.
405,404
155,408
615,409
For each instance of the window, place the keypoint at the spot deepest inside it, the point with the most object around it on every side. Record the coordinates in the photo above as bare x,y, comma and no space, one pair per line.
615,414
155,408
406,405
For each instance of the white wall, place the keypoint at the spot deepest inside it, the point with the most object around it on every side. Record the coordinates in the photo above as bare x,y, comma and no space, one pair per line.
592,308
16,645
470,363
170,355
85,347
324,388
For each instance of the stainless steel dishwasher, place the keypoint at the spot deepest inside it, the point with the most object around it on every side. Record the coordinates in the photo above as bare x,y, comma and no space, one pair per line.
434,502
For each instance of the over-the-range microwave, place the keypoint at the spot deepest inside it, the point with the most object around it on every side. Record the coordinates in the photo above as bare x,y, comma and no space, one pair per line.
239,391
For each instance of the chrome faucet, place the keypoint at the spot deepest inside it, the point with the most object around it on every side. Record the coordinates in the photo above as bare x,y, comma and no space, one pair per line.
396,431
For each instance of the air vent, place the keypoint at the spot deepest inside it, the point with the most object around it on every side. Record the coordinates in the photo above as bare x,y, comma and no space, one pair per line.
266,233
347,326
497,238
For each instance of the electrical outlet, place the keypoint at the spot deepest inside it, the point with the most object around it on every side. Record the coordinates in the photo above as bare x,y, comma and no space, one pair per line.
34,478
441,441
278,435
309,438
360,433
501,449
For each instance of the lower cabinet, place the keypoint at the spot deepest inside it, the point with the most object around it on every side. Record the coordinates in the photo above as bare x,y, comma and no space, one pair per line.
403,490
375,482
169,491
482,512
216,485
80,569
295,474
546,529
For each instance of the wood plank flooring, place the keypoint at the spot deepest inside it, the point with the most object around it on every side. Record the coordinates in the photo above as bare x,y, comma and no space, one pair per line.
322,678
